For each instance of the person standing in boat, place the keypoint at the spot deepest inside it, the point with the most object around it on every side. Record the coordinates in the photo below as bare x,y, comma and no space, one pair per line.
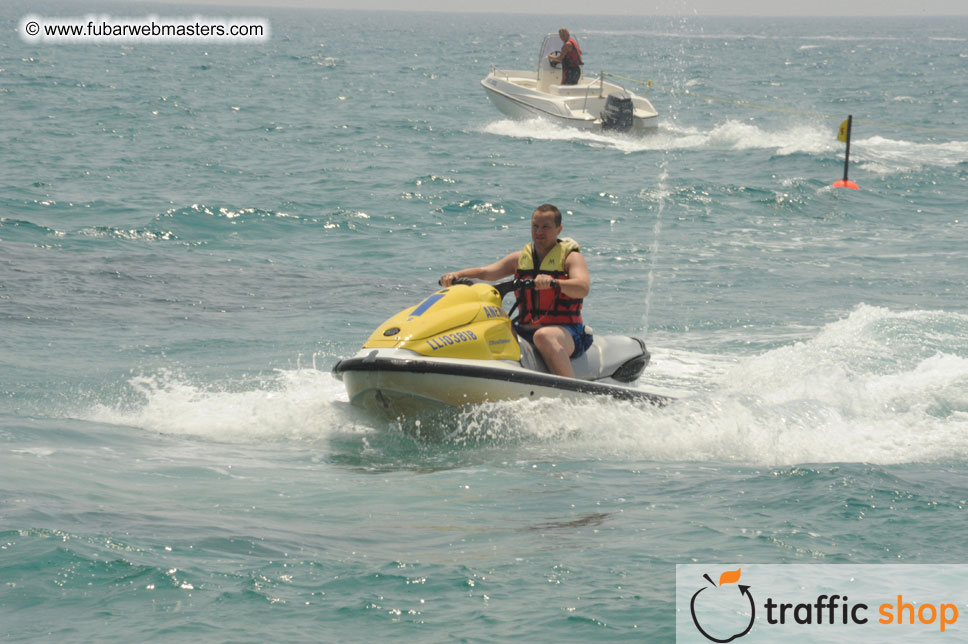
570,58
550,312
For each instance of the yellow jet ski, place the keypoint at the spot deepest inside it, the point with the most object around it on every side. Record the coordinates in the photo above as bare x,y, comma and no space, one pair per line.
457,347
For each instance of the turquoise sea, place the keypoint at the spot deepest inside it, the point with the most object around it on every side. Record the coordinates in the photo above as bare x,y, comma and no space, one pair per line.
191,235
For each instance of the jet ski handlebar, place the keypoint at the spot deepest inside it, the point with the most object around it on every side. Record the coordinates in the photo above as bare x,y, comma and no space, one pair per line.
513,285
503,288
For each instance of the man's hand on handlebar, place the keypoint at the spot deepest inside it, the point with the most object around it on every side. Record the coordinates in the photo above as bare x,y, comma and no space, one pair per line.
449,279
541,282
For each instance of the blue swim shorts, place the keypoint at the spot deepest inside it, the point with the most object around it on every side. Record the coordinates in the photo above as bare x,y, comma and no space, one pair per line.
582,340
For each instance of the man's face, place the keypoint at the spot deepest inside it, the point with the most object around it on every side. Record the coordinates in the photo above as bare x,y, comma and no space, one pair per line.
563,34
544,232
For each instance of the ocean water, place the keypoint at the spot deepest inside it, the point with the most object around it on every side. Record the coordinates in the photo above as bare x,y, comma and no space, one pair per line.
191,235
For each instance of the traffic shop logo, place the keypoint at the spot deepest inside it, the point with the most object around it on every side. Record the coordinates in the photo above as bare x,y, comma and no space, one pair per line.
709,602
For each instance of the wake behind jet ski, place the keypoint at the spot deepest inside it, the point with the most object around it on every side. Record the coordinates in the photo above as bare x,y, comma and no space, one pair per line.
457,347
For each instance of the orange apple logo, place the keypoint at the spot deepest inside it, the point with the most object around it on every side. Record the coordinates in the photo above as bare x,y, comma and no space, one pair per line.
734,601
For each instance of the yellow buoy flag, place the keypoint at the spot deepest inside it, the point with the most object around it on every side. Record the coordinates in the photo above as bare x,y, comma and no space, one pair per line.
842,134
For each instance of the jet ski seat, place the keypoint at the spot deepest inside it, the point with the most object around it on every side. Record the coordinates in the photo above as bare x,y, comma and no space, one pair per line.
608,357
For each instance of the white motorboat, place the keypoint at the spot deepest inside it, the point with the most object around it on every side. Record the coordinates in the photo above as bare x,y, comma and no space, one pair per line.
457,348
592,104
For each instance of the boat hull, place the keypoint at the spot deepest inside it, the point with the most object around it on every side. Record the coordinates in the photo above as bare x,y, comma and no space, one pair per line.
574,106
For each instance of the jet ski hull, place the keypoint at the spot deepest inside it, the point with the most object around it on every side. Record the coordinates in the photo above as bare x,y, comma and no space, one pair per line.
397,385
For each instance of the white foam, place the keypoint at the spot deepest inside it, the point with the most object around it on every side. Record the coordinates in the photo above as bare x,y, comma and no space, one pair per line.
868,388
545,130
882,155
877,386
876,154
735,135
301,404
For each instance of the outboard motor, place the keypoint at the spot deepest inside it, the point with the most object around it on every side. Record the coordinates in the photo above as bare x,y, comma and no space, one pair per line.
618,113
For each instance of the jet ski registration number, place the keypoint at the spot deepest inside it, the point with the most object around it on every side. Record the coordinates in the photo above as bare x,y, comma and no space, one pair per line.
450,339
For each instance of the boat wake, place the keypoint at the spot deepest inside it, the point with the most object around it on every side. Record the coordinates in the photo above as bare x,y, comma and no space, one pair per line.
876,154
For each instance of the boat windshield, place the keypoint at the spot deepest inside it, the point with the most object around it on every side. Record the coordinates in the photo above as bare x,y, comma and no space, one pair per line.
551,45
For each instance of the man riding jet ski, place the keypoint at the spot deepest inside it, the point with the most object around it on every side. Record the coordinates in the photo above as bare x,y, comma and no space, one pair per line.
458,347
549,314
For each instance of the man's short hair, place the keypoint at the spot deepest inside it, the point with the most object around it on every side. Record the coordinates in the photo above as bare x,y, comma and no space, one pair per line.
547,207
